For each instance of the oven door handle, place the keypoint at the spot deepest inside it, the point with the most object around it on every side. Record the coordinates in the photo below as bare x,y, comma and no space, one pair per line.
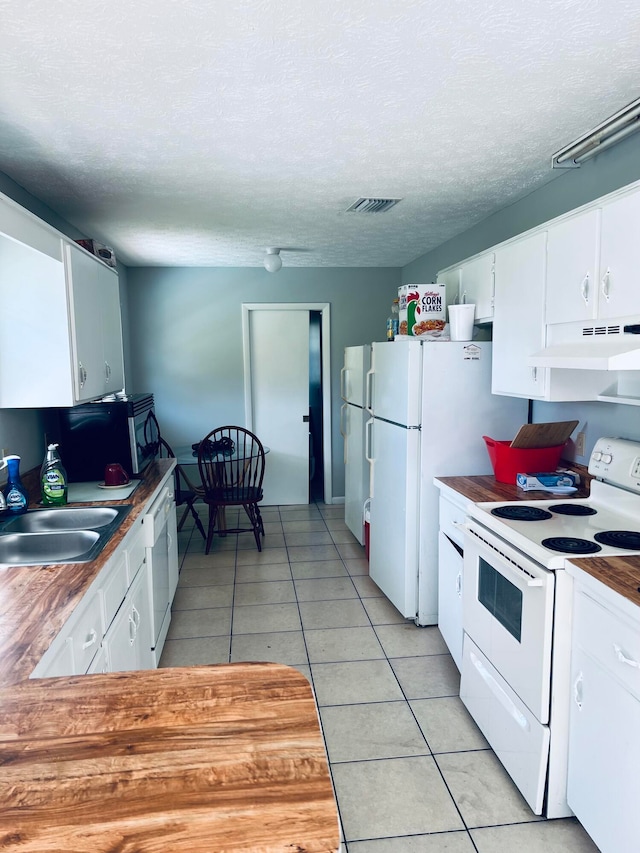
499,693
521,574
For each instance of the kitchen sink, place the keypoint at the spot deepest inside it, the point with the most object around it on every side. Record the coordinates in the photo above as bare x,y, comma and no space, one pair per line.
58,535
48,520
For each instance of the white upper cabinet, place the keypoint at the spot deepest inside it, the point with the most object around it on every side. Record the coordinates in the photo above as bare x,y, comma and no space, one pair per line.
477,284
96,327
572,268
619,280
593,260
451,279
472,281
60,326
518,322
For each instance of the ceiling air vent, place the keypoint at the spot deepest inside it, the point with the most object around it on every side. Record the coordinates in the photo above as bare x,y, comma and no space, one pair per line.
373,205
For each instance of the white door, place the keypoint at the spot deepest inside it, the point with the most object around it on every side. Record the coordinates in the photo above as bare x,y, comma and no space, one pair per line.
357,361
279,358
394,383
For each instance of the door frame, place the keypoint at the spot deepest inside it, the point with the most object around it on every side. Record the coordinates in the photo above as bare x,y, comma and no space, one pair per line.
324,308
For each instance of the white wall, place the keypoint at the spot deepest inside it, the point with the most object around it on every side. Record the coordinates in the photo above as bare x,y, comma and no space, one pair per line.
186,337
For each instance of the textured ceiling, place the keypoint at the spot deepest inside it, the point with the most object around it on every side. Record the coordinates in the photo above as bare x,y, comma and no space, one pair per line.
200,132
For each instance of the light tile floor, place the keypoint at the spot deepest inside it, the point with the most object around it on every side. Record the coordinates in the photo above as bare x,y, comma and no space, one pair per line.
411,771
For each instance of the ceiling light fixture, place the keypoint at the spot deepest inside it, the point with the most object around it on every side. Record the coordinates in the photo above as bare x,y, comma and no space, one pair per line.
614,129
272,260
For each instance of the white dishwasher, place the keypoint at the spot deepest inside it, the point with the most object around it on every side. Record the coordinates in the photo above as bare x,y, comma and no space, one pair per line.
159,550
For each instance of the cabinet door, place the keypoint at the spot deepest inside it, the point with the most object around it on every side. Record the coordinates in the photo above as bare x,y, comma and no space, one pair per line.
86,323
620,258
111,328
128,640
518,321
451,280
477,285
450,562
572,269
604,756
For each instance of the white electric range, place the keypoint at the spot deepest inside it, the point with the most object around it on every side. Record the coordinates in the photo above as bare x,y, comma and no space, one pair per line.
517,607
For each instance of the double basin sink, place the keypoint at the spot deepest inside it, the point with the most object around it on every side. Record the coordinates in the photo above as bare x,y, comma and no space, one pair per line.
61,535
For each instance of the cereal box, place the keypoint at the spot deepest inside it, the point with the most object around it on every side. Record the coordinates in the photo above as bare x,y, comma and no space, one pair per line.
423,309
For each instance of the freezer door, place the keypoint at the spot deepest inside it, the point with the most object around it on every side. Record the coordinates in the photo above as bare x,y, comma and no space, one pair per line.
356,472
393,542
395,382
357,361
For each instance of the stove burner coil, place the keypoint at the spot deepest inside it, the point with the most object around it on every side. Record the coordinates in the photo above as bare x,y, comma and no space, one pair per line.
569,545
628,539
573,509
521,512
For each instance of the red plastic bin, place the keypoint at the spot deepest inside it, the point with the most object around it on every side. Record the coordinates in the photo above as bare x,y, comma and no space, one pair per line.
509,461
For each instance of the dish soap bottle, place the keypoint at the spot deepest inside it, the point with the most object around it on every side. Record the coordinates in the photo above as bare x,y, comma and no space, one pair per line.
14,492
53,479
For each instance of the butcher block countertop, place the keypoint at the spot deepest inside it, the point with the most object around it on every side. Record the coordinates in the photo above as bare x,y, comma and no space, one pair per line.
621,574
204,759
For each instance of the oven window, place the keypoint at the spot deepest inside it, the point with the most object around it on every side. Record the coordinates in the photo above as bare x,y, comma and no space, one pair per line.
501,598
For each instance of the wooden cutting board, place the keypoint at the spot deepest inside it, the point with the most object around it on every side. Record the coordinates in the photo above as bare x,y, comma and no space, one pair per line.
544,435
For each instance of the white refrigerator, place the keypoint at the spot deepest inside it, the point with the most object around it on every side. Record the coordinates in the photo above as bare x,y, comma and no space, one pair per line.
353,420
430,404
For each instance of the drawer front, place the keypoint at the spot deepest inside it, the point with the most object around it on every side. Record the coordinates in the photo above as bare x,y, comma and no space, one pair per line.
610,638
115,589
87,633
450,517
135,555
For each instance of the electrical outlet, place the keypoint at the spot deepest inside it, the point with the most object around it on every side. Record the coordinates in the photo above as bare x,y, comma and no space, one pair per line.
580,444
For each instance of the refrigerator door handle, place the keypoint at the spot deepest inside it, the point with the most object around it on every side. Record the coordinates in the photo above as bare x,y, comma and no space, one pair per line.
369,391
343,383
367,453
343,432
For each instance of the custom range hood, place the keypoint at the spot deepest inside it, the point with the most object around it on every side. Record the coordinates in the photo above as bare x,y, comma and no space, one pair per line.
591,346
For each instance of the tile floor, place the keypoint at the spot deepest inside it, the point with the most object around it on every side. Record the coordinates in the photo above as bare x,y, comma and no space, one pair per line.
411,771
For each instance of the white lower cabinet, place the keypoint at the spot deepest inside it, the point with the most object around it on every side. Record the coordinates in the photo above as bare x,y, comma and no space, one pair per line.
450,566
128,640
604,733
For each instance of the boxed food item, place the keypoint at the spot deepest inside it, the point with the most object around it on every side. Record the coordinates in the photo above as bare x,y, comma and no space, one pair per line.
548,480
105,253
423,310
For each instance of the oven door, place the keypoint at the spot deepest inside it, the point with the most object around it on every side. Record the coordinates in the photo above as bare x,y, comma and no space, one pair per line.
508,613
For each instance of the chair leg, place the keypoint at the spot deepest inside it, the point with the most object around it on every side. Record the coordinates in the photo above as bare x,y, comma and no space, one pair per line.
250,509
196,518
213,513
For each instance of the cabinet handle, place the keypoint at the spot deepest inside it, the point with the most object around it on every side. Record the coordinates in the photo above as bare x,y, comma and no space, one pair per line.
93,636
584,289
578,691
463,301
459,584
534,374
606,284
107,371
82,374
623,658
134,623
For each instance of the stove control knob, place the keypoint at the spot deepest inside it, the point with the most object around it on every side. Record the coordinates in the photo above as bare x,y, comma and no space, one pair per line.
607,458
597,456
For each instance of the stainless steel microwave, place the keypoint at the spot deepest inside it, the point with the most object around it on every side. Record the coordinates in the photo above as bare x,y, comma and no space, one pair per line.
93,435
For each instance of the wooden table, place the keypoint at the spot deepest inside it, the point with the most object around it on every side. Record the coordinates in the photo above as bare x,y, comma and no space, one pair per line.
200,759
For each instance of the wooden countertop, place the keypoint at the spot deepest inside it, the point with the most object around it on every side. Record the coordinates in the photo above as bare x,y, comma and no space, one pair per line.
621,574
36,601
200,759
